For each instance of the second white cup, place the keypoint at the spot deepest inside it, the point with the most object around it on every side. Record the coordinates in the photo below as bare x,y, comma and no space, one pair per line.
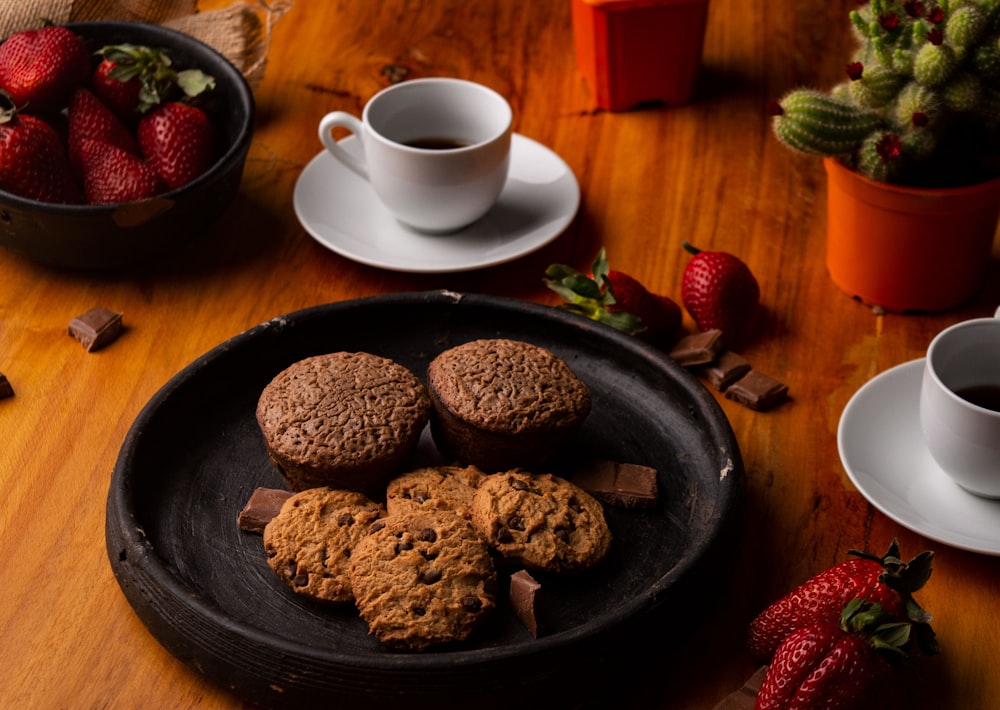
436,150
960,404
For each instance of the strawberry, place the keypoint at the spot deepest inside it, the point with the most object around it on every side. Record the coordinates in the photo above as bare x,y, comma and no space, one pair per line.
90,119
720,292
33,161
119,94
617,299
886,580
843,665
177,140
659,314
39,68
112,175
131,79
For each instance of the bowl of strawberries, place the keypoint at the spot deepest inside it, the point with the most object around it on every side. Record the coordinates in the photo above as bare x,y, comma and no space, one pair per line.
119,142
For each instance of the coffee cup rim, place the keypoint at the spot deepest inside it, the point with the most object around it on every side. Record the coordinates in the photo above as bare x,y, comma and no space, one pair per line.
986,322
498,135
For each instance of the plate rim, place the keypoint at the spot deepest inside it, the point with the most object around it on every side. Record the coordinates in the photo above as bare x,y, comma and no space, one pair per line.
141,553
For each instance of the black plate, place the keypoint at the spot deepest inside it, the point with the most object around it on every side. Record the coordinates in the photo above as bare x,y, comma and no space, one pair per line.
203,587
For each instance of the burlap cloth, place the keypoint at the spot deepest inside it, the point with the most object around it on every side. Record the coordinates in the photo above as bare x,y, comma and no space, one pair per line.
240,32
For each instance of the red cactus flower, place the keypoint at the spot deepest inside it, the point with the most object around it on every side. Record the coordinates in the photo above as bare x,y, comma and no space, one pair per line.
889,147
889,21
854,70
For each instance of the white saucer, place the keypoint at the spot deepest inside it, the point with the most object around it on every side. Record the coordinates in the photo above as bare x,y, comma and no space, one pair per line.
883,451
341,212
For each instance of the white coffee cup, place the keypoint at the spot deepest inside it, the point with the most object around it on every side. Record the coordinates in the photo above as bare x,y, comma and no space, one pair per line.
959,414
436,150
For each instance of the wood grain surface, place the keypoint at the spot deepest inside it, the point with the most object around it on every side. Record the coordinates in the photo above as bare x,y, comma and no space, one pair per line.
708,172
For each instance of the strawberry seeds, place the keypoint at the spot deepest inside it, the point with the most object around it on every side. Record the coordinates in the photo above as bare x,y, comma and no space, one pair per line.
127,130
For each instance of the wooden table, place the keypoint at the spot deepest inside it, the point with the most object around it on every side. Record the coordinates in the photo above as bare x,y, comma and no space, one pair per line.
708,172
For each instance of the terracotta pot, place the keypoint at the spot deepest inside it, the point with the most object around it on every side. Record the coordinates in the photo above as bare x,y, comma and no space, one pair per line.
634,51
908,249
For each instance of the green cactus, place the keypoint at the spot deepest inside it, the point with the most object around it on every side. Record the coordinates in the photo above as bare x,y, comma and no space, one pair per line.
815,123
923,92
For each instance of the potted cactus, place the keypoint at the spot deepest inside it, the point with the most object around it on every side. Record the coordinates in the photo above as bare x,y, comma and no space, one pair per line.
911,146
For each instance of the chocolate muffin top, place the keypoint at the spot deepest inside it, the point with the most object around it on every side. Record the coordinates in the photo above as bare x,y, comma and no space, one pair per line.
342,410
508,386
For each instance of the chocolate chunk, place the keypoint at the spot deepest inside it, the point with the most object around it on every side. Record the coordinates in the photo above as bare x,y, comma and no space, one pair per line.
757,391
430,576
625,485
6,389
697,348
96,328
725,369
524,600
264,504
746,697
472,604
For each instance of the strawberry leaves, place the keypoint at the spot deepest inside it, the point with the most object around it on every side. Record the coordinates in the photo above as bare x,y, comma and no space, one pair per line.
152,72
592,296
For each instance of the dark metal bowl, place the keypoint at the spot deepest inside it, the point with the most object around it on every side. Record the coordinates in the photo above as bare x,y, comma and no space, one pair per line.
204,589
111,236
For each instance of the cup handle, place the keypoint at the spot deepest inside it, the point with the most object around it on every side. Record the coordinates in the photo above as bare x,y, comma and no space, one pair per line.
352,124
997,314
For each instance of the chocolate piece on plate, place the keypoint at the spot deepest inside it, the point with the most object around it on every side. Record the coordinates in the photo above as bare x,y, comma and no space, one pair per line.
697,348
625,485
524,601
264,504
757,391
725,369
96,328
6,389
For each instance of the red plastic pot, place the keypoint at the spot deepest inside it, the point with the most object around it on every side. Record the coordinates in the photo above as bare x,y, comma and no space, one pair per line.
636,51
908,249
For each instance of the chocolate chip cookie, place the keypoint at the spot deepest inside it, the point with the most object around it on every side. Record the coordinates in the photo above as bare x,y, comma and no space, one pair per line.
422,580
310,542
449,488
540,520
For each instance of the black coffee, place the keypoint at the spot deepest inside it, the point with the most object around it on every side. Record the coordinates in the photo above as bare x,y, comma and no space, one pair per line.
437,143
985,396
